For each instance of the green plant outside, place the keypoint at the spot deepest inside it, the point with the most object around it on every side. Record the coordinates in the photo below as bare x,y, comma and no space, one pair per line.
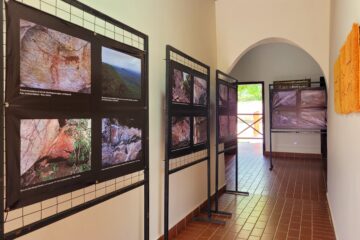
250,92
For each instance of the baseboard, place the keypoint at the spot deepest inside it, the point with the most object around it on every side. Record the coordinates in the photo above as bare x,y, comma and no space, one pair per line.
181,225
293,155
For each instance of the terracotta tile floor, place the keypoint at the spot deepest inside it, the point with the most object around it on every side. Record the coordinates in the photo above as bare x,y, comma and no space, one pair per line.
287,203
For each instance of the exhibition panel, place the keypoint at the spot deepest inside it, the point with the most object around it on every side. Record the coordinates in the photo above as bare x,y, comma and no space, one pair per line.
76,111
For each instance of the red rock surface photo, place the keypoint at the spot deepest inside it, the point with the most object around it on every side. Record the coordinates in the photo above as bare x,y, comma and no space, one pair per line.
181,87
200,91
51,60
223,95
200,130
223,126
121,141
53,148
180,132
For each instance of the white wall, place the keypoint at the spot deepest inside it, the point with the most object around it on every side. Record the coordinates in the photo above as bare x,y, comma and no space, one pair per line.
280,61
343,139
241,24
187,25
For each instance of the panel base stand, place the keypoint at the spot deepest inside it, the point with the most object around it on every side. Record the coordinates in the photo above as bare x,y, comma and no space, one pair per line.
209,220
237,192
227,214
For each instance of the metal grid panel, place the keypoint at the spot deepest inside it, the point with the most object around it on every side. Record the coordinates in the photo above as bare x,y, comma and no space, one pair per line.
22,217
187,62
187,160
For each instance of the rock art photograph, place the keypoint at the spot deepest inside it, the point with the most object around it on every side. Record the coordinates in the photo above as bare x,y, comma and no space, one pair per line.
121,141
181,87
223,95
53,148
232,126
180,132
200,130
200,91
223,126
121,74
52,60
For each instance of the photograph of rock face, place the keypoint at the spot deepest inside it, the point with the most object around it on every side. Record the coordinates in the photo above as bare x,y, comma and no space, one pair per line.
223,95
51,60
53,148
180,132
200,91
232,126
181,87
232,96
121,74
200,130
313,119
121,141
284,99
284,119
313,98
223,123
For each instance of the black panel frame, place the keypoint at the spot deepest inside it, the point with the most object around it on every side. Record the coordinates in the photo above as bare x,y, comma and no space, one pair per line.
77,105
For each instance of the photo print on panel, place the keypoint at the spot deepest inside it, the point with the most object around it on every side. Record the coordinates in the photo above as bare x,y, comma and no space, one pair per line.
53,148
223,95
121,75
121,141
232,126
53,61
223,126
180,132
200,130
200,91
181,86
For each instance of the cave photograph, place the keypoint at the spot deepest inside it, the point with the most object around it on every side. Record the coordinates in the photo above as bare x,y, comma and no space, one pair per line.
200,130
53,148
121,74
52,60
121,141
180,132
181,88
200,91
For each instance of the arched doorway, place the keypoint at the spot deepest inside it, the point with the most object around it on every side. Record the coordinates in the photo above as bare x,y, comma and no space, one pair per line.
268,61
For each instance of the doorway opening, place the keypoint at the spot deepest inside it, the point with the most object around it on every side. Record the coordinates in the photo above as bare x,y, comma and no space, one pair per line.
251,113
